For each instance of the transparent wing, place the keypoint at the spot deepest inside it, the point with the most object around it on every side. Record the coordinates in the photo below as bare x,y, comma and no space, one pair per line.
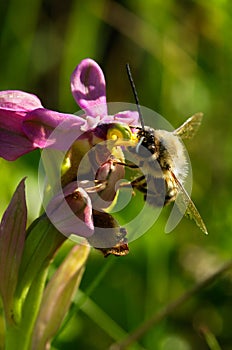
188,206
190,127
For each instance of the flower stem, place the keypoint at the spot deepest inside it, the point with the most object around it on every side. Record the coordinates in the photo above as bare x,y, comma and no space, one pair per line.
18,336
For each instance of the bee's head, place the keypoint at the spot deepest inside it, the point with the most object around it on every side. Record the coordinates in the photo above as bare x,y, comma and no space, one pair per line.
146,141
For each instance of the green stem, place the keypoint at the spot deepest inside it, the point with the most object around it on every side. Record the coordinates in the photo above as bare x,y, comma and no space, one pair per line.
42,242
18,336
15,339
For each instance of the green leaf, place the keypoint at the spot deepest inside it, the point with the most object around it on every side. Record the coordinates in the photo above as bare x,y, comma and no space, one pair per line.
41,244
12,238
18,336
58,296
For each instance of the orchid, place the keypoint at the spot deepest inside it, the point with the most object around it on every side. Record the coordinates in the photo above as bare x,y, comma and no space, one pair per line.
26,125
76,204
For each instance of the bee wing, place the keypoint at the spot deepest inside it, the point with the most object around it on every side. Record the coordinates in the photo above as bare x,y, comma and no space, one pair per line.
189,207
190,127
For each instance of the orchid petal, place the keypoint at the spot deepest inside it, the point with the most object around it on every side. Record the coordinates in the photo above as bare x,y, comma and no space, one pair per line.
11,120
17,100
71,211
49,128
13,142
91,123
14,146
107,119
88,88
130,118
112,173
14,105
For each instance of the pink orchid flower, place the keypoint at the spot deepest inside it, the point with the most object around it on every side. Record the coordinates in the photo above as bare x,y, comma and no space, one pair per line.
26,125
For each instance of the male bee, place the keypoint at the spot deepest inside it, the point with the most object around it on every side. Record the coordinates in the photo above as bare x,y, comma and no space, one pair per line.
162,186
166,149
161,153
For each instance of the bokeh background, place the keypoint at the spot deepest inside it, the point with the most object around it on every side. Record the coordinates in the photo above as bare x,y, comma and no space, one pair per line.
181,55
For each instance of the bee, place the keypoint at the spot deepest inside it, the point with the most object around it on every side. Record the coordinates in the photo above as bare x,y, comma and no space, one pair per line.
166,166
162,154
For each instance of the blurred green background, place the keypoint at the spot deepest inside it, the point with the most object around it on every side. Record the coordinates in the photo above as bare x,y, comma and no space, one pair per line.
181,56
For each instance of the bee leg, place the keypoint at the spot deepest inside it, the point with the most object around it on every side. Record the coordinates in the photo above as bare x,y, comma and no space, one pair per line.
128,165
91,187
140,184
137,184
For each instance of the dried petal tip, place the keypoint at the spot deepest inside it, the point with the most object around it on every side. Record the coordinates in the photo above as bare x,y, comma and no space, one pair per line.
108,236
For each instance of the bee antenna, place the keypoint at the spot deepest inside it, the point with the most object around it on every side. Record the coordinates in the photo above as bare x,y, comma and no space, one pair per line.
135,94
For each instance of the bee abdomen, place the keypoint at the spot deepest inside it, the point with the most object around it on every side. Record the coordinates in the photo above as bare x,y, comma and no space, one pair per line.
171,189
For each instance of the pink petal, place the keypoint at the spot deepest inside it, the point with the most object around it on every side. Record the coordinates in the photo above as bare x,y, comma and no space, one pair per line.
13,141
47,128
14,105
88,88
112,173
14,146
130,118
18,100
71,211
11,120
